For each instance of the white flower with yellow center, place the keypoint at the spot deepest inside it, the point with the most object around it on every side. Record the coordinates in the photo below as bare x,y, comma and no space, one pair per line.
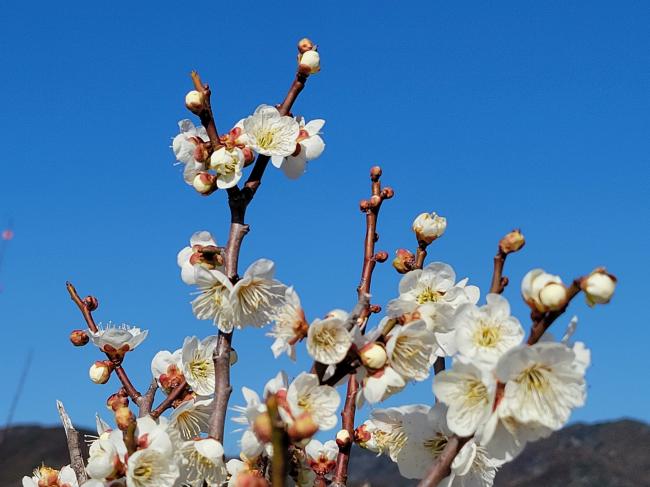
543,383
269,133
203,461
378,385
49,476
184,146
151,468
468,393
328,340
257,295
409,348
305,395
386,429
122,338
484,334
166,369
228,164
192,417
289,325
213,301
427,438
188,257
310,146
197,364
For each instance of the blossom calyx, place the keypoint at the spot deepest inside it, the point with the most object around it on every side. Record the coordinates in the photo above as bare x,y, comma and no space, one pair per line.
428,227
373,355
598,286
116,401
512,242
100,371
404,261
195,101
205,183
79,338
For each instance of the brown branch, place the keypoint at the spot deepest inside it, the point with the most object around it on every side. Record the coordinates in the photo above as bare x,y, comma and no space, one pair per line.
543,322
371,208
206,115
168,402
441,468
145,402
83,307
280,442
74,445
499,282
238,201
126,383
420,255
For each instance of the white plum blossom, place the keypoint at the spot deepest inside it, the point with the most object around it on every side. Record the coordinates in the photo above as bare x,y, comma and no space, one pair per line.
213,302
468,393
484,334
228,164
117,338
106,454
321,457
271,134
166,369
203,461
51,477
197,364
543,383
188,257
543,291
185,146
151,468
310,146
289,325
191,417
409,348
328,340
305,395
429,226
378,385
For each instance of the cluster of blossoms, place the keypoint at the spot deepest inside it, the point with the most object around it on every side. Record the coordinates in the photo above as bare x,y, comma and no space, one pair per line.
499,393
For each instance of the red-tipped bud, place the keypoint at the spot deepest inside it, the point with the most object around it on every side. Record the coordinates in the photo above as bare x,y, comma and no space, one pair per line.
305,45
404,261
387,193
79,338
374,308
91,303
364,205
375,173
381,256
205,183
374,201
116,401
512,242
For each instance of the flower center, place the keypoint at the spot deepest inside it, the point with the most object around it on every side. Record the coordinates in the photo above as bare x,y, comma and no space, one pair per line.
475,392
265,140
534,378
200,368
326,338
143,471
428,295
487,335
436,444
304,403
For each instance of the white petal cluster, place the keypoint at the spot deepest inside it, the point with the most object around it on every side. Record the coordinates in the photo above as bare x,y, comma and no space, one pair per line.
254,300
186,147
289,323
117,338
51,478
429,226
270,133
310,146
190,256
542,291
328,340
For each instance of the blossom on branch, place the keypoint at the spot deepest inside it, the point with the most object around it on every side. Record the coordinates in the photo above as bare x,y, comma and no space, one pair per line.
271,134
117,339
290,325
309,146
328,340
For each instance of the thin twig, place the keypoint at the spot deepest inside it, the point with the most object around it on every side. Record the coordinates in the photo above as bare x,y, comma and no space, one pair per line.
74,445
170,399
499,282
206,116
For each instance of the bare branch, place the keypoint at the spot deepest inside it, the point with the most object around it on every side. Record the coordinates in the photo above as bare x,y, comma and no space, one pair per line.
74,444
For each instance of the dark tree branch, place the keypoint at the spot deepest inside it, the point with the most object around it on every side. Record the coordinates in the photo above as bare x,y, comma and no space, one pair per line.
74,445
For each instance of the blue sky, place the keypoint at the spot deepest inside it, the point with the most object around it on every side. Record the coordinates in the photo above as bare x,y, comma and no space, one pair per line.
512,114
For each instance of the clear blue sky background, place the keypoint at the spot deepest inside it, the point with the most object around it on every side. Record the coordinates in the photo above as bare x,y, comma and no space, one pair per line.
531,114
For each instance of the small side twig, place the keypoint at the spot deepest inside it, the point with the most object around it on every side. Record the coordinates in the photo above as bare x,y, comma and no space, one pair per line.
169,400
74,444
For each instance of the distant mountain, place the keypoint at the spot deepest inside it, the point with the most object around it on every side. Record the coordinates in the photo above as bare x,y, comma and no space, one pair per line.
614,454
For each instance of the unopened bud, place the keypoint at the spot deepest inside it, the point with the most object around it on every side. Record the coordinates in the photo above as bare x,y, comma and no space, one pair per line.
310,59
599,287
364,205
123,417
304,45
373,355
303,427
553,296
233,356
79,338
263,427
375,173
194,101
387,193
512,242
204,183
374,201
343,438
428,227
91,303
116,401
404,261
381,256
100,371
362,435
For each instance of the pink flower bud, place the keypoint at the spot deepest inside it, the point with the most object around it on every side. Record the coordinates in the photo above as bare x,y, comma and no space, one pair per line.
404,261
381,256
204,183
